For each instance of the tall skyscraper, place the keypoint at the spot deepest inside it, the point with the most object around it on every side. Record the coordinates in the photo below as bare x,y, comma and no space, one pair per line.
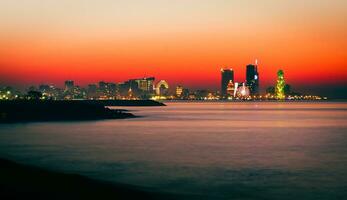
227,76
252,78
280,85
69,86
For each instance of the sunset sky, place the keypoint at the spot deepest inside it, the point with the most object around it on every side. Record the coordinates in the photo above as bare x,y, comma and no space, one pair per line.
182,41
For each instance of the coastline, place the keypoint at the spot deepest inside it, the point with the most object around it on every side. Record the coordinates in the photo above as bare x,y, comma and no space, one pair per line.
128,103
39,111
22,182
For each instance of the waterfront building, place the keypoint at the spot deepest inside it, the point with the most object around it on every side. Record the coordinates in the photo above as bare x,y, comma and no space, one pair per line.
162,88
280,85
230,89
145,84
179,91
49,92
79,93
252,78
243,91
125,86
107,90
227,76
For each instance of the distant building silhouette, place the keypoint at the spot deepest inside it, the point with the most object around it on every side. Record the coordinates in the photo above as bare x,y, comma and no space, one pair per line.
92,91
252,78
227,76
69,86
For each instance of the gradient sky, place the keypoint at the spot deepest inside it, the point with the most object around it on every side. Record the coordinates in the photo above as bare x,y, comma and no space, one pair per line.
181,41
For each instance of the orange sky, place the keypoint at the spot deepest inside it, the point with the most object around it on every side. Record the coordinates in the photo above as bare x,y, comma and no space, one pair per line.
185,41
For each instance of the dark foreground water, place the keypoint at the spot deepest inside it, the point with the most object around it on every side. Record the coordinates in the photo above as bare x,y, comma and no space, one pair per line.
217,150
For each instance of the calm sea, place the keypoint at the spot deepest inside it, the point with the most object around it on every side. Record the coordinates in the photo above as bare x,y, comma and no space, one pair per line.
211,150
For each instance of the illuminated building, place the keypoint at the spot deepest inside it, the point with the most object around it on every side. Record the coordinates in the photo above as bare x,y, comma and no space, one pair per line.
112,89
79,93
49,92
8,93
243,91
231,89
280,85
141,88
107,90
236,88
162,88
179,91
227,76
69,90
130,94
182,93
145,84
252,78
45,90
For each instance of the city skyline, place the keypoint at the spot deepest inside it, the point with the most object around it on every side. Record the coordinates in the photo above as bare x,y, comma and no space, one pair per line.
149,88
183,42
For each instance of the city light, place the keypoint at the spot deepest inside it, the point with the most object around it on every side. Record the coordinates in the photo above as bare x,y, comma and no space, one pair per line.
147,88
280,85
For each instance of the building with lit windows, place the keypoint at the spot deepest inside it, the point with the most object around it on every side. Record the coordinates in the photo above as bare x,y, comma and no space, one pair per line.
227,76
243,91
179,91
231,89
162,88
145,84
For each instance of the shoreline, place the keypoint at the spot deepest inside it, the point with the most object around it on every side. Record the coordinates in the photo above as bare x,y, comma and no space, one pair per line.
20,181
43,111
257,101
128,103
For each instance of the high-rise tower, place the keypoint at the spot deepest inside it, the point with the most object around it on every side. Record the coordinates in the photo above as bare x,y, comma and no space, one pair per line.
227,76
252,78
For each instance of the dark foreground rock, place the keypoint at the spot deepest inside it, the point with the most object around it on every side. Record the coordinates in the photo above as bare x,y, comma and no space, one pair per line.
24,182
28,111
126,102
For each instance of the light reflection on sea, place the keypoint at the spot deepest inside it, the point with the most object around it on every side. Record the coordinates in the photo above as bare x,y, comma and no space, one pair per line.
218,150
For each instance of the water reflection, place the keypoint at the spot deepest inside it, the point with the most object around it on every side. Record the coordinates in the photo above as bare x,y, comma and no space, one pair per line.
219,150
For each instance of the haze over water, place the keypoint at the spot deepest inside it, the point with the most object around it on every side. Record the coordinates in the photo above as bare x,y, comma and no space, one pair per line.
257,150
